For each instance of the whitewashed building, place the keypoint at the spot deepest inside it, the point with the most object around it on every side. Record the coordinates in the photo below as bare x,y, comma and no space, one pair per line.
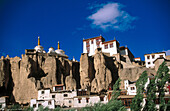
58,97
137,59
150,58
90,45
3,102
83,101
130,87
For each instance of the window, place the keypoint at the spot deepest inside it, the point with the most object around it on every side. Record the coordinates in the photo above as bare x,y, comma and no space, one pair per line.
88,49
161,56
87,43
69,101
91,41
87,100
34,105
49,102
97,40
127,102
132,88
101,98
39,105
79,100
42,92
106,46
58,88
153,56
98,45
149,62
111,45
53,96
65,95
148,57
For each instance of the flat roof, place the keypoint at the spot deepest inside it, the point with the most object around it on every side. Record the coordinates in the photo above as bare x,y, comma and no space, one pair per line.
109,41
123,47
137,58
94,38
155,53
59,85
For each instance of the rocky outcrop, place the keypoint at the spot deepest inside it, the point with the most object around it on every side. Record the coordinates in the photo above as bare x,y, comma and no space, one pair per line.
132,74
50,71
103,76
70,83
98,72
86,71
20,78
4,73
24,87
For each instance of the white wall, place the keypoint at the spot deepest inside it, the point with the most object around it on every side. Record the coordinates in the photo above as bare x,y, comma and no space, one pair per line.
151,60
93,47
3,102
92,101
128,87
44,96
112,50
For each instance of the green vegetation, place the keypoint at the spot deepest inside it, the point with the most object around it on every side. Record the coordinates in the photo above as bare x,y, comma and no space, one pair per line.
137,100
155,85
161,78
151,97
116,89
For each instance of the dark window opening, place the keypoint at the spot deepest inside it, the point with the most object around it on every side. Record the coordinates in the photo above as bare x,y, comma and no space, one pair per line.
106,46
91,41
87,100
34,105
53,96
87,43
79,100
148,57
153,56
65,95
42,92
111,45
101,98
39,105
161,56
49,102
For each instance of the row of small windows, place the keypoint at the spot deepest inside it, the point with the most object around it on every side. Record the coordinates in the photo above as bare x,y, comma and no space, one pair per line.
97,40
153,56
87,100
106,46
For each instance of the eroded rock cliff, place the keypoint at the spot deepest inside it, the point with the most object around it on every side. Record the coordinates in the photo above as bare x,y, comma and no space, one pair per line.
22,77
133,74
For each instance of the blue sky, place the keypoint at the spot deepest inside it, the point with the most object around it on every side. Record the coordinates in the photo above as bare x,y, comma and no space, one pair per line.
142,25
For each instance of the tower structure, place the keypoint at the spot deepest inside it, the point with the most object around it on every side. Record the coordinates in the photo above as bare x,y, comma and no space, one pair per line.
39,48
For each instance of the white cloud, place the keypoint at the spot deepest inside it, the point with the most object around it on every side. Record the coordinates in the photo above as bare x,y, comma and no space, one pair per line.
111,16
167,52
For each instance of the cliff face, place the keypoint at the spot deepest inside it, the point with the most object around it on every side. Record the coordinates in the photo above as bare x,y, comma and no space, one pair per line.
4,75
87,71
133,74
98,72
22,77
